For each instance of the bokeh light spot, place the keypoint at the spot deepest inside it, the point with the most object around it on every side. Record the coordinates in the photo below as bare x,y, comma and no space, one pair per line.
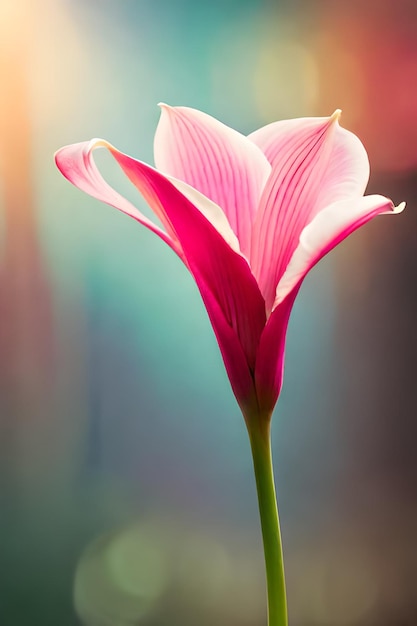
120,577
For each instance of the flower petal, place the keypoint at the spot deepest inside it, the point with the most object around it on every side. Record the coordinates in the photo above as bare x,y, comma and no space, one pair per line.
328,228
210,210
229,290
77,165
216,160
314,162
269,369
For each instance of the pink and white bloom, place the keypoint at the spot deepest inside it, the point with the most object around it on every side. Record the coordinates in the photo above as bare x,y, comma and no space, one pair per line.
249,217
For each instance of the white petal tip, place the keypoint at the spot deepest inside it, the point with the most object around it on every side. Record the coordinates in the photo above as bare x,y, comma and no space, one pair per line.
163,105
396,209
99,143
336,115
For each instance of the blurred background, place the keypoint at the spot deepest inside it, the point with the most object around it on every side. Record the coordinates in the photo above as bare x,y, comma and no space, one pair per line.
126,487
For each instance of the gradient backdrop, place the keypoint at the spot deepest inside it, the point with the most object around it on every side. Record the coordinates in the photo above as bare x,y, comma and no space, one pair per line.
126,487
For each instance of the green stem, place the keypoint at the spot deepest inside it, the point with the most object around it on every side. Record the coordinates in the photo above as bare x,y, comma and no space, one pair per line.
260,441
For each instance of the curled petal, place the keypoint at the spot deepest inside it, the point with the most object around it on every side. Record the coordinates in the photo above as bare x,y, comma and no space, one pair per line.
315,162
228,288
75,162
216,160
328,228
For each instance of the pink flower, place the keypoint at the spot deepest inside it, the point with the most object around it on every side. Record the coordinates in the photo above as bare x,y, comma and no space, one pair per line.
249,217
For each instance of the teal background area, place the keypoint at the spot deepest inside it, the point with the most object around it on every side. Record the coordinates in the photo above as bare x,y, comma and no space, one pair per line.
126,487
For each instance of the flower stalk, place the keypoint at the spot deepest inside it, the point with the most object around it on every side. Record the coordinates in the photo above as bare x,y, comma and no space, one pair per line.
260,440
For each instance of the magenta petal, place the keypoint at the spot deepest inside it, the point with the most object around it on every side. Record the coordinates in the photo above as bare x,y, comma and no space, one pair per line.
231,295
326,230
314,162
216,160
271,352
75,162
